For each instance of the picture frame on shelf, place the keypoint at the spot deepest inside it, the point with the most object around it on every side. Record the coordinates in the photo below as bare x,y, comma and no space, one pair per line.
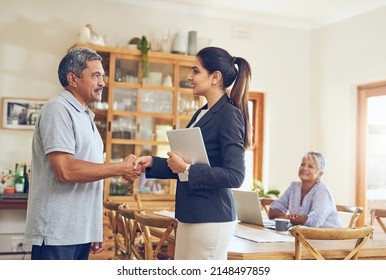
20,113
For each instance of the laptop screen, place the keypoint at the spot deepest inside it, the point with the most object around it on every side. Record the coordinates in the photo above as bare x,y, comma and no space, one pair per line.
248,207
249,210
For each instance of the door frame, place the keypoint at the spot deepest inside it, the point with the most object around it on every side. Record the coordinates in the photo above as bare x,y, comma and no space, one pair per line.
364,92
257,122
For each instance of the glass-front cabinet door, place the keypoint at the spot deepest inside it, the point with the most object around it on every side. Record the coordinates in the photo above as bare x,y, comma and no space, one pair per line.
143,108
117,186
126,70
160,73
125,99
187,104
101,107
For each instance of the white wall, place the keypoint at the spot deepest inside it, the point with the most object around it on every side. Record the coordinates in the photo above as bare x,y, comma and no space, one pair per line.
306,107
344,55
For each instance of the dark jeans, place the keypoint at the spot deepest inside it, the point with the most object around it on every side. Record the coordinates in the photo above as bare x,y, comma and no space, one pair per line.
68,252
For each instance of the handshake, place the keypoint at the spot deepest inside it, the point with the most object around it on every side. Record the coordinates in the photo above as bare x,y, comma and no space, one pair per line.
133,166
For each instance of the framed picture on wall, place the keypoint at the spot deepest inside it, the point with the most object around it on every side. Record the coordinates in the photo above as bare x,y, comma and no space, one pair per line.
20,113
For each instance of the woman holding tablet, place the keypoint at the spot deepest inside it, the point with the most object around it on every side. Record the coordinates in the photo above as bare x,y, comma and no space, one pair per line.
204,203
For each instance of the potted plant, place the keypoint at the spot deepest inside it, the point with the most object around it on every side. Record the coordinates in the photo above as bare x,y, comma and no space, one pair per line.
144,47
257,186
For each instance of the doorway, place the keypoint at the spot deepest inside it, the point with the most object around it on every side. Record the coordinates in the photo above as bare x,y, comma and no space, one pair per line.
371,151
254,156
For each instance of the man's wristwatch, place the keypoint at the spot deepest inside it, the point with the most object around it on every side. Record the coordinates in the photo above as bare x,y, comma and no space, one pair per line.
186,172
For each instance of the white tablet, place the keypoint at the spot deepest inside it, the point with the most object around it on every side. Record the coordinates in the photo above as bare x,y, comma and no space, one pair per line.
189,143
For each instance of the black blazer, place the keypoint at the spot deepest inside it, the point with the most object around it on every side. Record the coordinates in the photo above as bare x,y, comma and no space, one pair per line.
206,196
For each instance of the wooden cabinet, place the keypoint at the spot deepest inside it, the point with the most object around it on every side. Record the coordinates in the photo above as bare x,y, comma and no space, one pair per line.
136,111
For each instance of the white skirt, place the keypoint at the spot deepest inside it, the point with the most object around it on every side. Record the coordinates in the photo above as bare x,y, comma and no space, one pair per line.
203,241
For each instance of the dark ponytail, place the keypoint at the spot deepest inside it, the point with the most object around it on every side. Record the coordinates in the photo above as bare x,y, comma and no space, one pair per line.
217,59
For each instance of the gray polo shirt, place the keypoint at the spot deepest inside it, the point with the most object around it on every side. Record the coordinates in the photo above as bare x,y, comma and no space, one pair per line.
64,213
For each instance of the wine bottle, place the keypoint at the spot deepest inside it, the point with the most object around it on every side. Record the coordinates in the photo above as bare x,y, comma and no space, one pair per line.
18,179
118,72
26,179
15,174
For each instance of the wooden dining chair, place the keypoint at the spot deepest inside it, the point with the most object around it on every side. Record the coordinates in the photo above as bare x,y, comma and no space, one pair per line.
354,211
132,234
117,228
265,203
377,215
138,200
157,231
303,235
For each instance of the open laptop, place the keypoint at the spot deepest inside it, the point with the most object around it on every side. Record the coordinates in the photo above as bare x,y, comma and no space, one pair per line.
249,210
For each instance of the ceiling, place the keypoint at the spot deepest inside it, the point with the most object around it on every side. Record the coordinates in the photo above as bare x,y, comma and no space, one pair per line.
306,14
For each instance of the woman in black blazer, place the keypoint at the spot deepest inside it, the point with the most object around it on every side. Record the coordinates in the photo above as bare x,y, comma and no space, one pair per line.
204,204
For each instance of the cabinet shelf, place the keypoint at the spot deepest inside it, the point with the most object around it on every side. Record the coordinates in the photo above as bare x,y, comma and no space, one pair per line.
158,87
101,113
185,90
184,117
143,114
137,142
125,85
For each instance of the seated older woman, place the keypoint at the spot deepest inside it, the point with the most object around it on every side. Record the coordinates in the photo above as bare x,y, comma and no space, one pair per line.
309,202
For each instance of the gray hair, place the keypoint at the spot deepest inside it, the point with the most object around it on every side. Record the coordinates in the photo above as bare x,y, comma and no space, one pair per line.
319,160
75,62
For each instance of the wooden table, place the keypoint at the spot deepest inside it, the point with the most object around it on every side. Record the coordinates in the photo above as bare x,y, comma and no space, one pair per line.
243,249
276,246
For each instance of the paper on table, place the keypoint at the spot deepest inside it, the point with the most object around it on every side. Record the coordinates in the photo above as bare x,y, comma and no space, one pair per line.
263,235
165,213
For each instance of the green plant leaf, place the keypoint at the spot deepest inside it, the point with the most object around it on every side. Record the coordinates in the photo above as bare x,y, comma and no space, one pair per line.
257,186
144,46
274,192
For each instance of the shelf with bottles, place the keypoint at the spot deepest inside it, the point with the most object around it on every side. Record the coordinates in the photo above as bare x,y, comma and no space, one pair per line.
126,70
183,73
155,102
143,101
134,128
187,103
162,73
16,181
